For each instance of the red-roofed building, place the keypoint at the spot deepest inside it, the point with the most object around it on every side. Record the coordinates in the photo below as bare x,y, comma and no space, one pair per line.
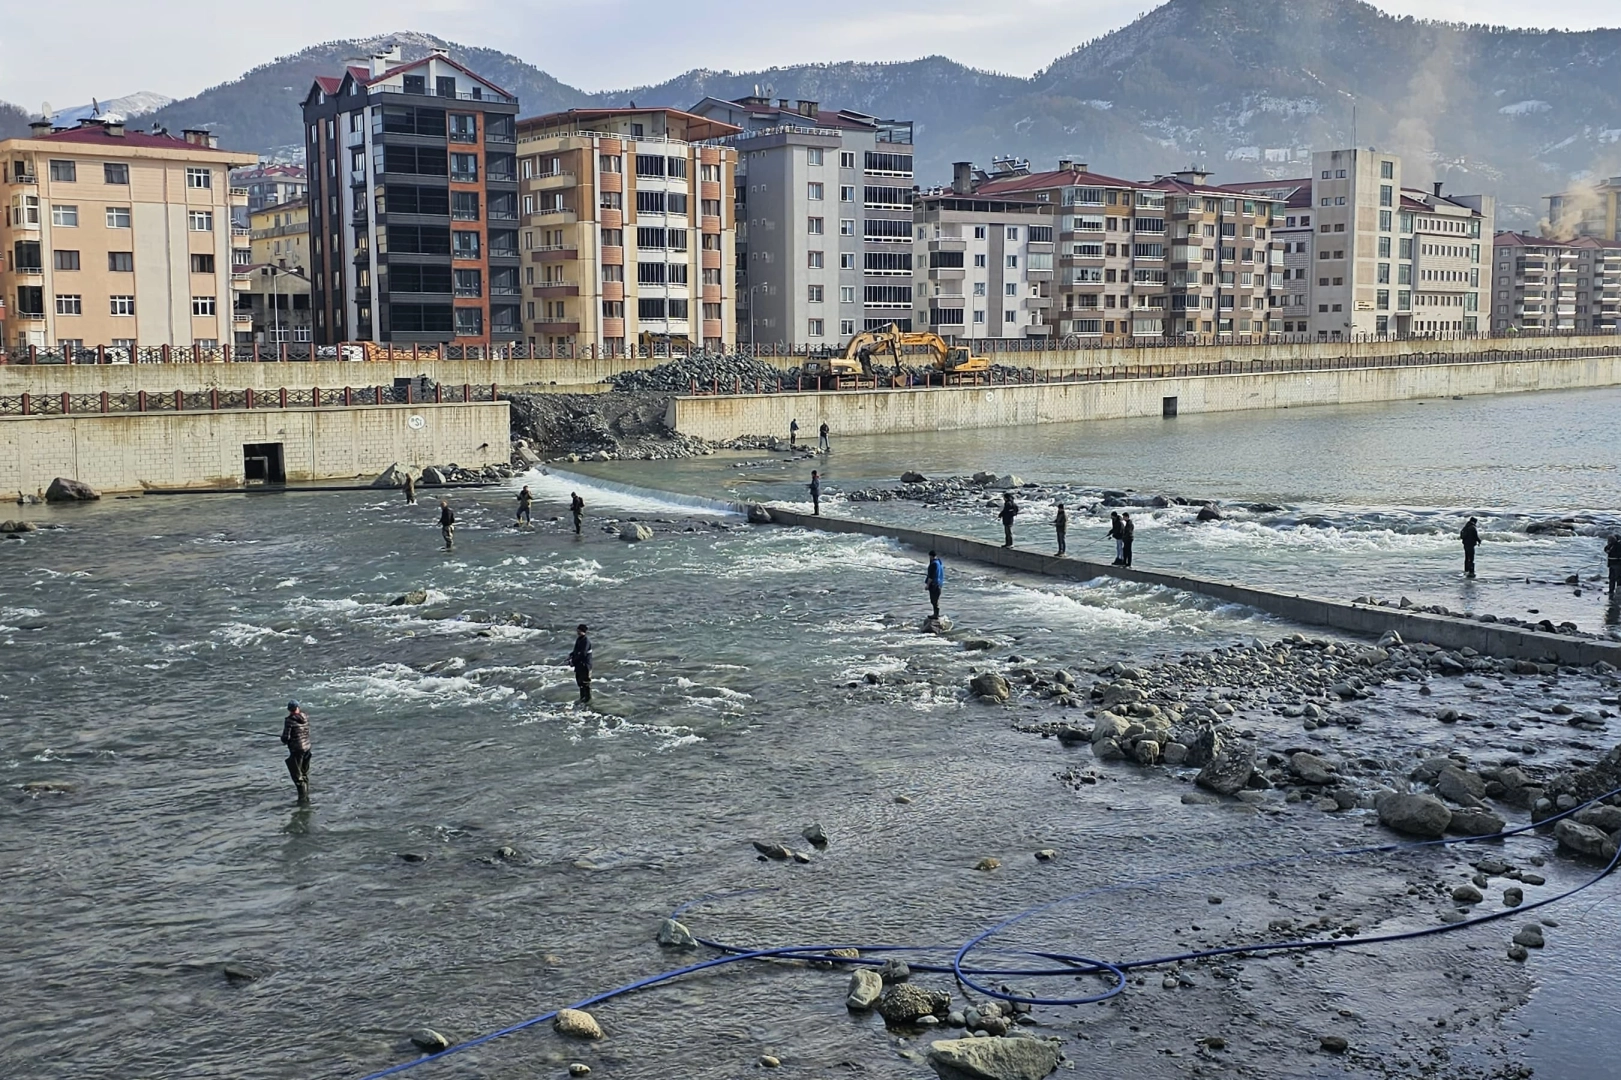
413,191
1540,283
118,237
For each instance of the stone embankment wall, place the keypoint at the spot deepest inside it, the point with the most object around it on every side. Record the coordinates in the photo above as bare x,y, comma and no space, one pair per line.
205,449
880,412
1494,639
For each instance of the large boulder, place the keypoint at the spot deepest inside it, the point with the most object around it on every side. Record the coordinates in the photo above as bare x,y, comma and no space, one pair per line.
634,532
432,476
1208,513
391,477
910,477
1310,768
1415,815
865,987
1584,840
903,1003
1601,817
1205,748
1009,482
1228,774
1016,1058
990,686
1472,822
64,490
577,1024
1463,788
759,515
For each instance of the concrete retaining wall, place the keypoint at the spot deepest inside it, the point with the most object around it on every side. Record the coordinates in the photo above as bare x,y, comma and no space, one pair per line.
1491,638
879,412
204,449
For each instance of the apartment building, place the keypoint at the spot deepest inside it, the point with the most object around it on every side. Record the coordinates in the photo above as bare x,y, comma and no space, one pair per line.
983,267
1444,248
273,306
629,234
271,185
413,204
117,237
1591,211
824,208
1540,283
279,235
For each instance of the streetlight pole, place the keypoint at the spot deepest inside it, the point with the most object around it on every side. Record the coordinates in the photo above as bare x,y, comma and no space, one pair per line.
275,300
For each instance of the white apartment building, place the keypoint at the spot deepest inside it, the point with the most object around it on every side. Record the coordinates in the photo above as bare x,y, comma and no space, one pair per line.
1543,284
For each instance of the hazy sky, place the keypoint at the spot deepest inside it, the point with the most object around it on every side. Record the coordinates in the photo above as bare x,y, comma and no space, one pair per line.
68,51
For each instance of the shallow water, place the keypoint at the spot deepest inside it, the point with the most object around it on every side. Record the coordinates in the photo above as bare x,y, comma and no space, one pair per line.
145,642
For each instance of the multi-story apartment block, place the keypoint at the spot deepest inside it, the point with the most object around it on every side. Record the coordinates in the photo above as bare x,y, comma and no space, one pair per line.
272,306
983,267
1592,211
118,237
268,185
1444,247
628,230
413,203
279,235
1544,284
824,206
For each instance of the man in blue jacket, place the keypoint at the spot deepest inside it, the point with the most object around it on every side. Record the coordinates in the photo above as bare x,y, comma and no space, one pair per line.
934,579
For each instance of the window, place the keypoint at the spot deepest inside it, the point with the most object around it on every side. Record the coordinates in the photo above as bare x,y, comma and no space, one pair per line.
1010,289
1012,262
199,178
65,260
813,226
64,171
650,165
1010,316
202,305
647,237
115,173
463,128
463,167
847,327
847,294
200,220
469,321
847,193
813,259
469,282
980,261
650,273
979,232
979,288
847,260
847,160
1382,299
814,294
416,84
1384,247
202,264
813,191
464,245
65,217
71,304
1387,170
652,307
813,327
979,315
121,262
813,155
1012,232
847,226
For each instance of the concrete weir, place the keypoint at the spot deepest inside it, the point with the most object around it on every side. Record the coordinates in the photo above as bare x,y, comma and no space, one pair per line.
1494,639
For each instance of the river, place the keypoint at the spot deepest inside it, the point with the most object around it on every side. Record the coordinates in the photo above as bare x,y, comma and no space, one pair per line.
149,643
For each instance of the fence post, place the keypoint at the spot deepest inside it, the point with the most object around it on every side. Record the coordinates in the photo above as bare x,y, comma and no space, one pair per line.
248,396
377,395
495,392
67,403
179,401
315,397
27,405
410,392
214,399
140,401
101,354
284,397
348,396
467,392
104,402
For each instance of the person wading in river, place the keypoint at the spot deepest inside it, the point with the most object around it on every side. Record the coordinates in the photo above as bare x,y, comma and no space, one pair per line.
821,433
410,490
1061,526
816,493
447,522
295,735
524,501
576,506
1471,540
580,661
934,579
1117,533
793,434
1612,554
1128,532
1009,511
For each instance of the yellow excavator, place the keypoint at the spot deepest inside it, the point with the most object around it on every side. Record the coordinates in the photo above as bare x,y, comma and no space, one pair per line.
954,362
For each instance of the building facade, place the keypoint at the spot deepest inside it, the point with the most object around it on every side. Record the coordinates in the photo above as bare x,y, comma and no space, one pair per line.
269,185
629,233
1594,212
279,235
118,237
273,307
983,267
1543,284
413,204
824,208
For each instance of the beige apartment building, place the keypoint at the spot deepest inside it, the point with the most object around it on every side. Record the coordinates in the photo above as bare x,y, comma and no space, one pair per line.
118,237
1540,283
628,230
279,235
1592,211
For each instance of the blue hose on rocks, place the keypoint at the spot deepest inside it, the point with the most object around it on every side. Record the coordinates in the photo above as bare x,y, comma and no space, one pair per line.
1067,965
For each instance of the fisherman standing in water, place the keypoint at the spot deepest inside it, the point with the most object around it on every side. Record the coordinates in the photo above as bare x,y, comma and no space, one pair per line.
295,735
1471,540
580,661
576,506
793,434
934,579
524,500
447,522
410,490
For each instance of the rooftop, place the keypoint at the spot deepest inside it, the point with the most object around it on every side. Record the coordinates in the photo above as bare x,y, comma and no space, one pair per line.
97,133
697,128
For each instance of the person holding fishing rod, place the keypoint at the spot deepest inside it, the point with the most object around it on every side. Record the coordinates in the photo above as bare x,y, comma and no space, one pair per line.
295,735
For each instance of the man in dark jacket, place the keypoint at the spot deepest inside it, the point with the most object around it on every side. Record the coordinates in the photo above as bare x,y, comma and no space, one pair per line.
295,735
793,434
410,490
1612,554
580,661
1009,511
934,579
447,522
1128,533
525,501
1061,526
816,493
576,506
1117,533
821,434
1471,540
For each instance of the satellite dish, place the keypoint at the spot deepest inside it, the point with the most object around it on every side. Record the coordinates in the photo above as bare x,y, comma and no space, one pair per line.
45,109
770,90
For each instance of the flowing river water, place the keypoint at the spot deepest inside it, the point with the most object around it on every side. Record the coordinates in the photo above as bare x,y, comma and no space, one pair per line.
148,644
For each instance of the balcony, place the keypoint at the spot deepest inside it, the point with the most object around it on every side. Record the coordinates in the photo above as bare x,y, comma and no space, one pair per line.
26,179
948,243
1037,303
238,230
30,271
556,215
552,289
554,253
947,273
557,326
31,316
241,280
239,196
242,318
553,181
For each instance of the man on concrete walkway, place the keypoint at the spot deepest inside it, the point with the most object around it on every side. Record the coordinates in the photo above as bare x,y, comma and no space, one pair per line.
1117,533
1009,511
580,661
1061,526
1128,533
816,493
295,735
1612,555
576,506
1471,540
934,579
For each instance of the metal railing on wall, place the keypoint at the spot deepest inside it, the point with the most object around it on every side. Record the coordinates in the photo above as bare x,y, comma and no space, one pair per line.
286,397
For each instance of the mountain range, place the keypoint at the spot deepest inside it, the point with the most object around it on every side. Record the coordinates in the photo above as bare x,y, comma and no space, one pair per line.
1246,88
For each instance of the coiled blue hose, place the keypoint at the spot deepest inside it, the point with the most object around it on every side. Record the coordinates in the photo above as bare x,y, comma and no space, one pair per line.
1067,965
